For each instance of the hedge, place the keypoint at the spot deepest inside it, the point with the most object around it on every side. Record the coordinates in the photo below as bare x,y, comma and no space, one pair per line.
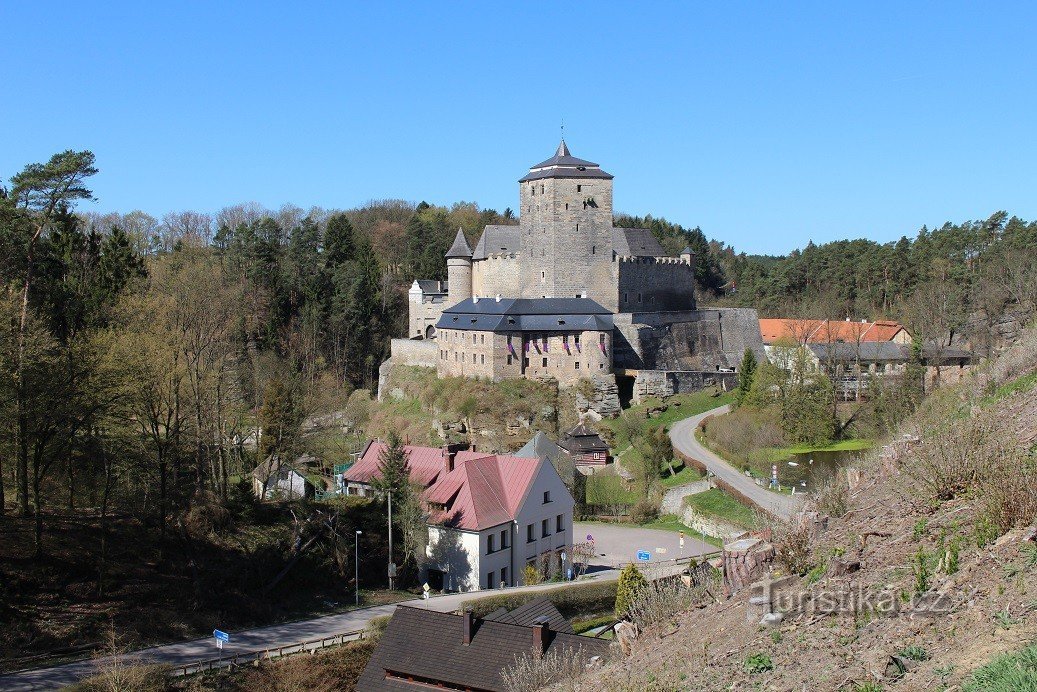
571,599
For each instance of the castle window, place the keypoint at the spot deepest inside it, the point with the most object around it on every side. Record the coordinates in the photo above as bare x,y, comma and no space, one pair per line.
579,188
509,360
625,298
594,249
567,206
545,362
577,228
576,340
639,297
601,366
577,365
541,189
482,338
601,338
482,360
543,275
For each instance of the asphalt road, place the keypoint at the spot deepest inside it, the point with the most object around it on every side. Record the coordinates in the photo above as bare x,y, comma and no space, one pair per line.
683,435
616,545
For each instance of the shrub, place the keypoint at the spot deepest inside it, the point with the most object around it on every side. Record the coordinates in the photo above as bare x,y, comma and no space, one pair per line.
571,600
662,600
758,663
920,567
531,576
914,653
376,627
792,540
832,496
644,511
531,672
631,583
1006,673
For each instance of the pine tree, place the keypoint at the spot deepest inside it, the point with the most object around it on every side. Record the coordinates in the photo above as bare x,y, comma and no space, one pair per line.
393,463
746,373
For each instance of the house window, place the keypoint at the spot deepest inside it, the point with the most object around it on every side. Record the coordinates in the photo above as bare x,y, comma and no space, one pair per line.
530,536
544,533
489,580
547,496
504,576
503,541
489,543
559,527
545,362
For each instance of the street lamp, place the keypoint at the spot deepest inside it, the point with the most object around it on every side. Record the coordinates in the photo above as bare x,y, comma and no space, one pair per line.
356,566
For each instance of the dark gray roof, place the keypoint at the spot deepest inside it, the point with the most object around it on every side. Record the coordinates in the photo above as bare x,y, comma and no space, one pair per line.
428,646
432,286
460,248
527,314
529,614
884,351
564,165
636,242
539,447
497,239
582,439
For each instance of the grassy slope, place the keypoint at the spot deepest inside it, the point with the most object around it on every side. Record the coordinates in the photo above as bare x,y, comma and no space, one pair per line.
717,503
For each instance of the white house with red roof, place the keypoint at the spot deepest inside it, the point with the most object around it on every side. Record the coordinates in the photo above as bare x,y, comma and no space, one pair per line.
489,514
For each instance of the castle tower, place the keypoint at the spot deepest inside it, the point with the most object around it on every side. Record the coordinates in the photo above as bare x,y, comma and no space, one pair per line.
459,270
566,228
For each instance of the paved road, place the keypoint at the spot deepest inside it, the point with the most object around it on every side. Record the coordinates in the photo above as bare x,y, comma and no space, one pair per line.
619,545
683,435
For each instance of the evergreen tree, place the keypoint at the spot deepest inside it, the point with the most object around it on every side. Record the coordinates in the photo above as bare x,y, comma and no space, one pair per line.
631,583
394,468
278,419
746,373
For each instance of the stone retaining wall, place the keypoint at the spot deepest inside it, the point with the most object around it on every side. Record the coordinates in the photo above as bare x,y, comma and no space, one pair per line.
420,352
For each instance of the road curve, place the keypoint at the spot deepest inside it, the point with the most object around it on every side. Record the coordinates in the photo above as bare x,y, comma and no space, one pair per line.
683,435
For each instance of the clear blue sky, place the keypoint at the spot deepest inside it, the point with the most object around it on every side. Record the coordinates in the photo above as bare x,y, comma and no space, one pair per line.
765,125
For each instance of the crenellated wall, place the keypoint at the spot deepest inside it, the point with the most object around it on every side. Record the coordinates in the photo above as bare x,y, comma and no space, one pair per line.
655,283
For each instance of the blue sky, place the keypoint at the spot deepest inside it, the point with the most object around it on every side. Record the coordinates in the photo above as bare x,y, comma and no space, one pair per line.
765,125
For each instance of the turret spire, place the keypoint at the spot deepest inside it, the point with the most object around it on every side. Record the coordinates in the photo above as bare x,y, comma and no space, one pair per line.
460,248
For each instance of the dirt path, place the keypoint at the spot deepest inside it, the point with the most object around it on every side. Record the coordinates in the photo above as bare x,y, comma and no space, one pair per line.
683,435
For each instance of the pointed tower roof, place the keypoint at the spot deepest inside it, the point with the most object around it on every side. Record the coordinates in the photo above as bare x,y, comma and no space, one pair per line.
460,248
565,165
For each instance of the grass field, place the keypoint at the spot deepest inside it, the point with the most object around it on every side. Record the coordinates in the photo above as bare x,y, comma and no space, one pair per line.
774,454
716,503
685,475
609,489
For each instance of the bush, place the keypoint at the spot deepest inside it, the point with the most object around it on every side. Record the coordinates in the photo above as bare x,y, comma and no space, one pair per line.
571,600
644,511
532,672
833,496
739,433
531,576
337,668
792,540
631,583
376,627
663,600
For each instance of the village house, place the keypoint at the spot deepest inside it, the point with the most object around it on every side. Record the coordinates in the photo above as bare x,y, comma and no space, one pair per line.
490,515
428,649
585,447
278,478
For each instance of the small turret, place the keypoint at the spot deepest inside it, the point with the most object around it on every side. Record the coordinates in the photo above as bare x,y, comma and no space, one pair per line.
459,270
688,255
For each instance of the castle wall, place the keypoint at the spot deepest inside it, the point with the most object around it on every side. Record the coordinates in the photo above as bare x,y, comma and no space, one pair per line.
421,353
655,283
582,359
459,279
497,274
423,313
687,340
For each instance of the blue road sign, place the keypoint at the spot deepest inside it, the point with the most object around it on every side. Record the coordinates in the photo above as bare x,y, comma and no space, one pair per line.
221,636
644,555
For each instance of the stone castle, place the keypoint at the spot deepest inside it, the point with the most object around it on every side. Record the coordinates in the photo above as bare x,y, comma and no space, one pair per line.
566,294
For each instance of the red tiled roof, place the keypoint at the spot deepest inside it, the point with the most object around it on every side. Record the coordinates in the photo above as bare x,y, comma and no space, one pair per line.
426,463
827,331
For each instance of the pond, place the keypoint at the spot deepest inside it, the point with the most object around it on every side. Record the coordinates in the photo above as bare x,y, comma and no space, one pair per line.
813,468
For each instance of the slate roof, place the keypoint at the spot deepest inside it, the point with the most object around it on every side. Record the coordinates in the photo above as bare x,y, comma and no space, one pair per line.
429,286
482,493
885,352
565,165
636,242
497,239
428,646
529,614
540,446
527,314
460,248
582,439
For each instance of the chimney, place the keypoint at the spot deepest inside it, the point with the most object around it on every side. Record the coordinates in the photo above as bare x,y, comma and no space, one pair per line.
448,459
466,627
540,633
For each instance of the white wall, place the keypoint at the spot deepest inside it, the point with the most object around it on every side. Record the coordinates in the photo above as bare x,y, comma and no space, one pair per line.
533,511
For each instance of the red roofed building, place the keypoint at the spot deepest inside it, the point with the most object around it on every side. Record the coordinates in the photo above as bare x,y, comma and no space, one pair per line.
831,331
489,515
